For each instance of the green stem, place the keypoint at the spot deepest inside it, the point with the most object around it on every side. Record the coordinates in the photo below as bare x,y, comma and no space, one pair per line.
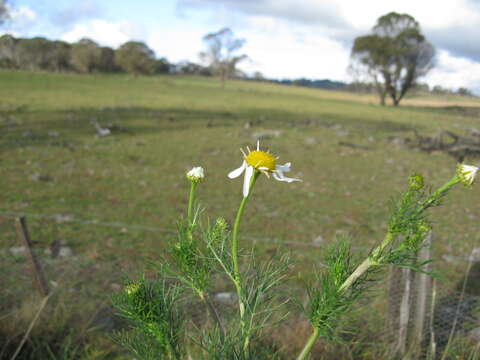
213,312
440,192
190,208
309,345
236,271
367,263
236,225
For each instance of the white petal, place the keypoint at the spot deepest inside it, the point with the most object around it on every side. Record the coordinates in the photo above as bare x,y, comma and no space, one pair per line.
196,174
237,172
278,175
246,181
284,168
275,176
469,173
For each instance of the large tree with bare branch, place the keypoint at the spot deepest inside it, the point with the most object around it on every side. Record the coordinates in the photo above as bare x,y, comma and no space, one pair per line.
220,54
394,56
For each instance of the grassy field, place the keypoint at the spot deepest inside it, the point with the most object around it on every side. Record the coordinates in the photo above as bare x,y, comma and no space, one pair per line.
340,145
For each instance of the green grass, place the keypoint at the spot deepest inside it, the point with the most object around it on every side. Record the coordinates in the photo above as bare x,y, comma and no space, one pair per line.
167,124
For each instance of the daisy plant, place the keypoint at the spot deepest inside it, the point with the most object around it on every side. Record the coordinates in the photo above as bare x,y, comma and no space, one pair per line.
254,164
159,314
196,175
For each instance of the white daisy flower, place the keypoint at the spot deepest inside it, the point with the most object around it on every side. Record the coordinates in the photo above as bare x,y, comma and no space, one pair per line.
467,173
197,174
261,161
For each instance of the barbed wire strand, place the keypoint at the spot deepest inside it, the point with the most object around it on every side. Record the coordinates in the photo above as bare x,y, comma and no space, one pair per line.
68,218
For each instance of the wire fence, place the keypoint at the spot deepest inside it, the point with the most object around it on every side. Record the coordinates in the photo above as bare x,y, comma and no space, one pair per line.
67,218
424,315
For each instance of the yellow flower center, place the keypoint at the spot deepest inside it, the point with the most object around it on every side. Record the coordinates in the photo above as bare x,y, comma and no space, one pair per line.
261,160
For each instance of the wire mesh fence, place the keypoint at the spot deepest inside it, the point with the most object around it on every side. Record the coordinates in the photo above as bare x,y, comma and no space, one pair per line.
425,314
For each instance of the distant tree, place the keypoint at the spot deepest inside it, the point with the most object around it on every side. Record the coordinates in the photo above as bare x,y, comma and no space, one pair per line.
257,75
136,58
361,87
8,52
439,90
60,56
464,92
162,66
85,56
190,68
394,56
106,60
219,55
421,87
34,53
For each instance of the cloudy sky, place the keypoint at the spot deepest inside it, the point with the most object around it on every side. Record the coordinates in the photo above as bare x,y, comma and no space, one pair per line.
284,38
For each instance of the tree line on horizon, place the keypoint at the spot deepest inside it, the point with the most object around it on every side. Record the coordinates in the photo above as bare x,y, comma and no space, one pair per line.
389,61
84,56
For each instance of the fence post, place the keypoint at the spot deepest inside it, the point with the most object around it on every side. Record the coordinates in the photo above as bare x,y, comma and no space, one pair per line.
394,289
423,289
408,298
37,273
405,308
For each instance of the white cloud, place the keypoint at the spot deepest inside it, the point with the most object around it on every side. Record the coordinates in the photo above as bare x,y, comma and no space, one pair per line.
176,44
22,14
430,13
278,51
306,11
105,33
453,72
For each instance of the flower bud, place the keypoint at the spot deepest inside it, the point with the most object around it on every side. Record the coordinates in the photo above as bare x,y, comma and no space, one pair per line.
132,288
424,227
196,174
416,182
221,224
466,173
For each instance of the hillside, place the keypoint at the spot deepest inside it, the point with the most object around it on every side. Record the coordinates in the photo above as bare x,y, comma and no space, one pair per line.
115,199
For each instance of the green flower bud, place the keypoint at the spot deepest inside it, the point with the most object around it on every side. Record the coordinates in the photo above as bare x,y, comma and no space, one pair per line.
416,182
132,288
424,227
221,224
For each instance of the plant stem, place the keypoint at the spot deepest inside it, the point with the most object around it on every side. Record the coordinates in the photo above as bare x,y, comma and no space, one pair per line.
440,192
213,312
190,208
236,271
367,263
309,345
236,226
